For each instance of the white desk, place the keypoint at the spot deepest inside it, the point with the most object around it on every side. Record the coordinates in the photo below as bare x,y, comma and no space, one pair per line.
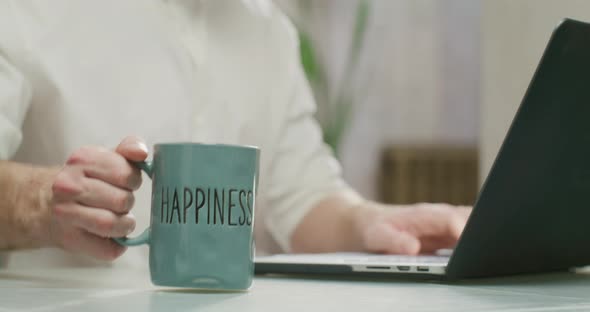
109,290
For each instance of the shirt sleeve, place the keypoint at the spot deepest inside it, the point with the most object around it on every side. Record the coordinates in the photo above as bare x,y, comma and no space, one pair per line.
303,169
14,102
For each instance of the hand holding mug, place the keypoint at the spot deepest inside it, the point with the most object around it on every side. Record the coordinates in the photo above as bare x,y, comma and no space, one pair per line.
91,197
202,214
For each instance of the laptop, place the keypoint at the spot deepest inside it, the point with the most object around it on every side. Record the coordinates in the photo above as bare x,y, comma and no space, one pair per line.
532,214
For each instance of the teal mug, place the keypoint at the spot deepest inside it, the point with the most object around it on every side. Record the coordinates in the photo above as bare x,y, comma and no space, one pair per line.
202,215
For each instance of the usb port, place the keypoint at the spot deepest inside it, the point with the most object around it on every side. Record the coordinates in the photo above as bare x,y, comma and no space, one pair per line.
422,269
403,267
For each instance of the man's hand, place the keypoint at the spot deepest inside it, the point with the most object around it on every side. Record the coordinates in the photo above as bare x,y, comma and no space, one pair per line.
91,197
420,228
345,222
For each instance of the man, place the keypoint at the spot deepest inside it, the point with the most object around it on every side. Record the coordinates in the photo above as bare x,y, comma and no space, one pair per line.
78,76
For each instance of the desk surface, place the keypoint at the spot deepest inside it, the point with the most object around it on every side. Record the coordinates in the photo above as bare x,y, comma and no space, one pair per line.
111,290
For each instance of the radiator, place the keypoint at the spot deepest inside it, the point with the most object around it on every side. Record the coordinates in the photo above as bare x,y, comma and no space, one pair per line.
413,174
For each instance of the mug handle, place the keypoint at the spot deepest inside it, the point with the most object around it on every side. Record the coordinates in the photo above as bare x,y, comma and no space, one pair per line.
144,237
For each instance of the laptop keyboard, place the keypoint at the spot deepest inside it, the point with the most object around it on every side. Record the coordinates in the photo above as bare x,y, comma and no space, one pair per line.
356,258
376,258
402,259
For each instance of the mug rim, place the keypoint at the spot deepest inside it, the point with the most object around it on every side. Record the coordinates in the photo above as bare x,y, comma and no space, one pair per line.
179,144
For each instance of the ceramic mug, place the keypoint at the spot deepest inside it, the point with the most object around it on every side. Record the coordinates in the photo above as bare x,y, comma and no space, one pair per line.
202,215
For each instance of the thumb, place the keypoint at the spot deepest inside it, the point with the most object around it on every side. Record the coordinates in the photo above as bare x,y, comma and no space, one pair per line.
384,238
132,148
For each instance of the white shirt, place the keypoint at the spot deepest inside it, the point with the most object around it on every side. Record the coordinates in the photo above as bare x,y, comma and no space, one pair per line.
85,72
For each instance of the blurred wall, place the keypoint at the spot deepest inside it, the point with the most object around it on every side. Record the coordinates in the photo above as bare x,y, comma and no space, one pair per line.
514,35
418,75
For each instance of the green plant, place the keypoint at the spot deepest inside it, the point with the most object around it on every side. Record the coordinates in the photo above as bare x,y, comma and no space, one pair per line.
335,109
